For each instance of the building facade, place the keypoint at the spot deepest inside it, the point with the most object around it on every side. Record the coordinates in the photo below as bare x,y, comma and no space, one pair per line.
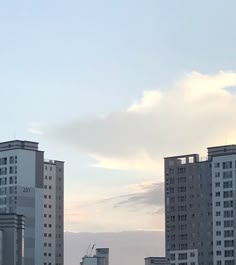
103,256
224,204
12,228
53,212
22,191
200,206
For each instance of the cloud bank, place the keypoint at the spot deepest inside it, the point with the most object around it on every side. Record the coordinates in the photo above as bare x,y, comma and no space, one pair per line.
147,194
195,112
145,199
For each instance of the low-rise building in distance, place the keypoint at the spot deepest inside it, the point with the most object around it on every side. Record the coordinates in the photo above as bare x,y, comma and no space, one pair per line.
155,260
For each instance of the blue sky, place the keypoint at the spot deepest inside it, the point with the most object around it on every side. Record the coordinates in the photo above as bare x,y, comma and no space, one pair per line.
66,64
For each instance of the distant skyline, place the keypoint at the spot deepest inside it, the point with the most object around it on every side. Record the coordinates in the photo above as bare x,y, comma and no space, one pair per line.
112,87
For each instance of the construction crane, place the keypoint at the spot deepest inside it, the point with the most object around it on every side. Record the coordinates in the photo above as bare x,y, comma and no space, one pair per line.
87,250
90,254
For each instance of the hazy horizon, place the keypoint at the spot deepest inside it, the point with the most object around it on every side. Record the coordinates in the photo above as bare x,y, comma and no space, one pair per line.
125,247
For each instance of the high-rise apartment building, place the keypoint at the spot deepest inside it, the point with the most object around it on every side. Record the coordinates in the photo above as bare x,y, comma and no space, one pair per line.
22,191
200,200
53,212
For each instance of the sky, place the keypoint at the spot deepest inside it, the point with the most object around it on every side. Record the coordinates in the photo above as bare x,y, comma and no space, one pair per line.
112,87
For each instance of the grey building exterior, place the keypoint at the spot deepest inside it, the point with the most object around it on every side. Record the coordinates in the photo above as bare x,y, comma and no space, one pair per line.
23,190
195,207
103,256
12,239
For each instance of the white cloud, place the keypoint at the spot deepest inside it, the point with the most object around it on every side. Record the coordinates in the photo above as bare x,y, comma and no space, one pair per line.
196,112
35,128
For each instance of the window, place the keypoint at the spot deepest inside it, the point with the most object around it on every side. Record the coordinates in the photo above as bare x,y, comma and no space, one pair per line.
183,246
228,214
183,237
227,164
11,180
11,170
172,256
227,184
218,253
12,160
218,233
217,204
182,208
181,170
182,198
218,223
229,223
217,184
217,213
182,256
217,194
227,174
182,217
228,194
229,253
217,165
3,161
229,243
229,262
229,233
3,171
181,189
218,243
228,204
